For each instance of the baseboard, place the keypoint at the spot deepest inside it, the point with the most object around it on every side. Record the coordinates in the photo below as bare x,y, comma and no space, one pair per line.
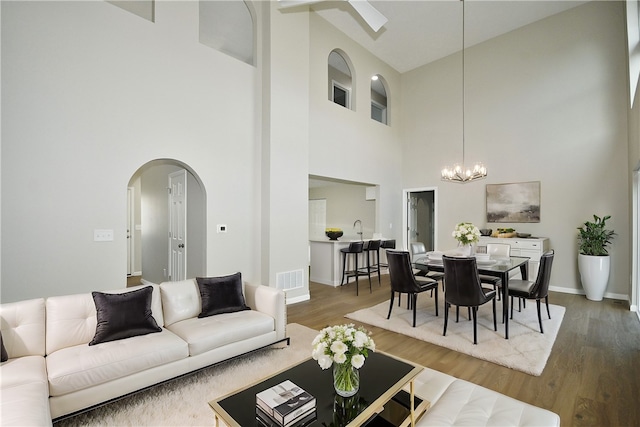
300,298
609,295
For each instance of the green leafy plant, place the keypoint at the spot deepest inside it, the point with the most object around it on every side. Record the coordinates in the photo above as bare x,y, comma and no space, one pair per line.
594,237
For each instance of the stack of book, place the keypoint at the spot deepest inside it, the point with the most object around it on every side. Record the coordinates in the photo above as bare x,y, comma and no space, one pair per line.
285,405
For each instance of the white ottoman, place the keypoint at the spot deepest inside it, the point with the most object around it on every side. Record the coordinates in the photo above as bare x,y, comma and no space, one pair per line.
456,402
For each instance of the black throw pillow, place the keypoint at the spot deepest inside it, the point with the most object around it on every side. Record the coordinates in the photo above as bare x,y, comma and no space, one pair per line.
221,294
123,315
5,355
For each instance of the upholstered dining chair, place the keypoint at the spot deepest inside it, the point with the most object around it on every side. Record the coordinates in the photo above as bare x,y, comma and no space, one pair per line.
464,289
537,289
419,254
496,250
404,281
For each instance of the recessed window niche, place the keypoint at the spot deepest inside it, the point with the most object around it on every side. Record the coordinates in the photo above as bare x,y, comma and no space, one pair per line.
340,79
379,99
227,26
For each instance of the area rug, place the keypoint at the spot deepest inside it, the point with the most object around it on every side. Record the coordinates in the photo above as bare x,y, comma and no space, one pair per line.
526,350
184,402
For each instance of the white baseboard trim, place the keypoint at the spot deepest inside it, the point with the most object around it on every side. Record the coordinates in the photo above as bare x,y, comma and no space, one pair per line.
609,295
300,298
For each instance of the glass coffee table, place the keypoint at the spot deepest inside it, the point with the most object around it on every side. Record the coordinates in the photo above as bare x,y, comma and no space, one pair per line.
380,400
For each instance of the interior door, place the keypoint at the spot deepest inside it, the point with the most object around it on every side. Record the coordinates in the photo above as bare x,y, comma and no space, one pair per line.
421,218
130,225
412,219
178,226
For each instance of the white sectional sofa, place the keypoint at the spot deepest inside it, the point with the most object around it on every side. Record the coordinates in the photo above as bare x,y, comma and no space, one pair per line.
52,371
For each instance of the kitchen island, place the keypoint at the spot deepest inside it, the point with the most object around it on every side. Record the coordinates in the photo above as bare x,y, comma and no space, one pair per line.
326,261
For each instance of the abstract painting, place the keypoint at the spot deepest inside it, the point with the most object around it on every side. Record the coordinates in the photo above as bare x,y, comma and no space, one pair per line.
515,202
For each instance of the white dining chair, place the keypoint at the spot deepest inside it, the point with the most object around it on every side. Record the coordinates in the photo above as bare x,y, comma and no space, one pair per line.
496,251
499,250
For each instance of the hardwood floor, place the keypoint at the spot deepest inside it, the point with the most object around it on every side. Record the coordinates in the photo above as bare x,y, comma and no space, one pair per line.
592,377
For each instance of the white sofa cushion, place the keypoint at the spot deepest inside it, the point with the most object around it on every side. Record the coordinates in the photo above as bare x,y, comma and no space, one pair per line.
24,392
23,327
23,370
78,367
71,319
25,405
180,300
207,333
431,384
467,404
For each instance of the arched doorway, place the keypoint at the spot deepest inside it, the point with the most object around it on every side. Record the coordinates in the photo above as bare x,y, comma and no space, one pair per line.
152,225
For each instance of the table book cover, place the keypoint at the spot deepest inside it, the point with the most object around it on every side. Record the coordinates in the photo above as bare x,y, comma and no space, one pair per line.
285,402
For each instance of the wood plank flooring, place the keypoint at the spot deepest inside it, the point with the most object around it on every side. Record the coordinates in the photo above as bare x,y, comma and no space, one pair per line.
592,377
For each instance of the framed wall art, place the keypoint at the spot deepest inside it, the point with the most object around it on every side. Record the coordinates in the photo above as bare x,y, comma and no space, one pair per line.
514,202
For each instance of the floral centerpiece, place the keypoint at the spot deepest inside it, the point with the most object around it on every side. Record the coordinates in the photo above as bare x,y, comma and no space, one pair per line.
344,347
466,234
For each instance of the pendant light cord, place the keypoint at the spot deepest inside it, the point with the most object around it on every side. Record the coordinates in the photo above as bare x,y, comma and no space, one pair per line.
463,88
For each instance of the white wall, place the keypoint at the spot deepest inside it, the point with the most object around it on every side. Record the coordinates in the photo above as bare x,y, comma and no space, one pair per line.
544,103
285,130
90,93
348,144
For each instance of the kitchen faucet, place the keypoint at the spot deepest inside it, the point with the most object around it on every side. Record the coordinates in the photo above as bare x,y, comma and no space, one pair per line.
357,221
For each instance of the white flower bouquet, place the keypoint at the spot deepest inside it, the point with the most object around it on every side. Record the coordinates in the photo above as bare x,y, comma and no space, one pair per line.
466,233
342,344
345,347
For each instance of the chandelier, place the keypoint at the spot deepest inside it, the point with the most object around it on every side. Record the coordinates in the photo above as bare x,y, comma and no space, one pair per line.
459,172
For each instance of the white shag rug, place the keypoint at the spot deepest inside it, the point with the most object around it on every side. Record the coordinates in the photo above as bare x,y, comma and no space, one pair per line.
185,401
526,350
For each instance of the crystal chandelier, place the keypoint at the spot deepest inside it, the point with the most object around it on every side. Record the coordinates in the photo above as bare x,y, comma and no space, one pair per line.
459,172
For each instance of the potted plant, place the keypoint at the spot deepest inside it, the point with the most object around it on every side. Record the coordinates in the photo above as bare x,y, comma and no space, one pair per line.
594,262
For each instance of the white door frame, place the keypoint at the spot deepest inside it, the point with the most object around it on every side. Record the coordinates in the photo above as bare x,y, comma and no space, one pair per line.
405,225
635,242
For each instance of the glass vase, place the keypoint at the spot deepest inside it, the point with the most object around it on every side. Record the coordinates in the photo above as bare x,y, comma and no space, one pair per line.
346,379
467,250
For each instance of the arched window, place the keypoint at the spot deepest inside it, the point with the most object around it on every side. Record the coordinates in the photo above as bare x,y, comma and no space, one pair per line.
227,26
340,79
379,99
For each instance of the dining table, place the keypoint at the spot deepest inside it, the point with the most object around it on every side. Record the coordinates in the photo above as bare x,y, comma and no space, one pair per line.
495,267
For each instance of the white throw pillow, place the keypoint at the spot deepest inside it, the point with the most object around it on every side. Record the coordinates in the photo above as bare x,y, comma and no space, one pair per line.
180,300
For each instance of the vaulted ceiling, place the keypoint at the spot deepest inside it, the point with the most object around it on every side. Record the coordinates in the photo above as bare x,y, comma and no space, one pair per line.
422,31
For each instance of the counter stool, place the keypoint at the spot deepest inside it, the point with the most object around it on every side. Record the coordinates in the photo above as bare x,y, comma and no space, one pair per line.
373,247
354,249
386,244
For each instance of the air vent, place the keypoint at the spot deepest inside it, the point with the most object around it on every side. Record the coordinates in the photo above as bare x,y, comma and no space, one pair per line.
289,280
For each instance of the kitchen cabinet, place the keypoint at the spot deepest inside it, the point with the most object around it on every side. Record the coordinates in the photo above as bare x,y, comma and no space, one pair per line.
531,247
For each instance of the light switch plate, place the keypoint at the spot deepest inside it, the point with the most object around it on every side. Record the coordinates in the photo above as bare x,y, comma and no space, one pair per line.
102,235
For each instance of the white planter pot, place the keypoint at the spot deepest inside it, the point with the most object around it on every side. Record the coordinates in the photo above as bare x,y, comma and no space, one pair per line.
594,273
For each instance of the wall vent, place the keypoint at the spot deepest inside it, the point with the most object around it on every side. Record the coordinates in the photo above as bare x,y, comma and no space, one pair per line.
289,280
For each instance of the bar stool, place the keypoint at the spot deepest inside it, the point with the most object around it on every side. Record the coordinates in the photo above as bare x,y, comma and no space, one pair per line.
354,249
373,247
386,244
